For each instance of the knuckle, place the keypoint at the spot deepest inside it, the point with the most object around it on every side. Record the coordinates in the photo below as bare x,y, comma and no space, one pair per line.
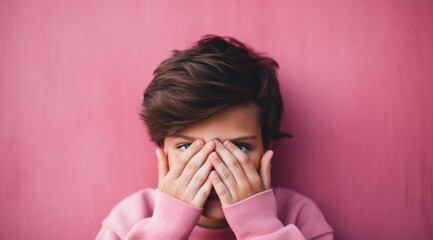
232,163
199,178
223,191
256,182
178,193
192,166
226,174
243,184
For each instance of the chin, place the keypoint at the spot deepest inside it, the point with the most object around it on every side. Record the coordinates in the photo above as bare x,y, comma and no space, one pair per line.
213,212
213,216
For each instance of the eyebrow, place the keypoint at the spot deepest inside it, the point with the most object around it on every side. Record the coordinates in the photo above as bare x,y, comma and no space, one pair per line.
184,137
242,138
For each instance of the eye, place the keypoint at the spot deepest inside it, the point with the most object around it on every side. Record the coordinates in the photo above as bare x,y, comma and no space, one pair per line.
243,147
183,147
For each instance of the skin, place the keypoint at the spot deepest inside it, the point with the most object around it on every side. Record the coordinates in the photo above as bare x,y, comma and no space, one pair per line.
216,163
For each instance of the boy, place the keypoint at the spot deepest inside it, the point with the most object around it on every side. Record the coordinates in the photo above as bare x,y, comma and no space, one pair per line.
214,110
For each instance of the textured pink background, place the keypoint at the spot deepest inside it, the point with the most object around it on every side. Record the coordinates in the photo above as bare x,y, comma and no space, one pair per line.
356,77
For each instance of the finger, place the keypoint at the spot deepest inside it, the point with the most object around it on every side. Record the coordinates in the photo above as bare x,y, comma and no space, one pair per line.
199,178
202,194
179,164
196,162
231,162
265,169
224,173
162,166
247,166
221,189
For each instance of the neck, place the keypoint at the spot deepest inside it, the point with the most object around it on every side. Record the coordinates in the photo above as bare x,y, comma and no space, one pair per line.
212,223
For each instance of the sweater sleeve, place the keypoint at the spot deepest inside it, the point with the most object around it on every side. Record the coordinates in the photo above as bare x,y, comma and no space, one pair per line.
256,218
171,219
106,234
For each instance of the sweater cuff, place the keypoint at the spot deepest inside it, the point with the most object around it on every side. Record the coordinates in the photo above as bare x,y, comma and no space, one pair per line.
254,216
176,216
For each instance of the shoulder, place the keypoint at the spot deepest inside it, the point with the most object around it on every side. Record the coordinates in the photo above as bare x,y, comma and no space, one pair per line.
295,208
130,210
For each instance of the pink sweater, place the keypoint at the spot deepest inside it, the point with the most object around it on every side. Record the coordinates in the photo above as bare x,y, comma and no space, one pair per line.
273,214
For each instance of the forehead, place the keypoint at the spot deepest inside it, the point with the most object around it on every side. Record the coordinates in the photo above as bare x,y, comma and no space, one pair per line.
233,122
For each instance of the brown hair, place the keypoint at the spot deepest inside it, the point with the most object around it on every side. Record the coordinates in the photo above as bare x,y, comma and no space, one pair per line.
196,83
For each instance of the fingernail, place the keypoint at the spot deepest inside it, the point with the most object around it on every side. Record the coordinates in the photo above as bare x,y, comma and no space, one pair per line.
211,144
199,142
271,153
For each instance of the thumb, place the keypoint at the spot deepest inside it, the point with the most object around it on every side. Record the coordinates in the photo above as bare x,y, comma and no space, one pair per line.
162,166
265,169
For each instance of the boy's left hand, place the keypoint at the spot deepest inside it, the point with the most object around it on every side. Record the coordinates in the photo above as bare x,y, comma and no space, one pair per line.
235,177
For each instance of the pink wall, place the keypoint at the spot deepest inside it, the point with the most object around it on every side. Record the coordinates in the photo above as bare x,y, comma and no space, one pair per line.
356,78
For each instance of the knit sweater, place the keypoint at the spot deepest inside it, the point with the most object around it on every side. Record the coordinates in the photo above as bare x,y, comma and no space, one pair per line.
277,213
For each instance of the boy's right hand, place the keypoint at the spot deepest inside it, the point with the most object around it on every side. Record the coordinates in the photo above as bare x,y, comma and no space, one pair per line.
187,177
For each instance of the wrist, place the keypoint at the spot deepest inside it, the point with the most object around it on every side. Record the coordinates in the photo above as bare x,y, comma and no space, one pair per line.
174,214
259,211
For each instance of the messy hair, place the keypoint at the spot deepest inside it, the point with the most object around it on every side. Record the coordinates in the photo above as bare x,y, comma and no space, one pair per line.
216,73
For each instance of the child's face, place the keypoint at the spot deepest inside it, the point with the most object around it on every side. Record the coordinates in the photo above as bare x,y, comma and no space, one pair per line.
240,125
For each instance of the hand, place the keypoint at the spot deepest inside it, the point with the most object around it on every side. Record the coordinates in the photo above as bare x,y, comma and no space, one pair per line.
187,178
235,177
